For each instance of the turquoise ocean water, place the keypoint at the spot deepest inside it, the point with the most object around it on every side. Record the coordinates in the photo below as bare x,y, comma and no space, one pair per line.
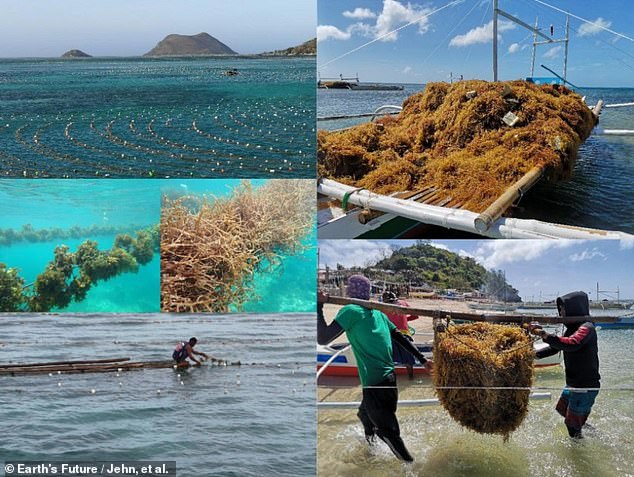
600,189
253,420
289,286
142,117
126,204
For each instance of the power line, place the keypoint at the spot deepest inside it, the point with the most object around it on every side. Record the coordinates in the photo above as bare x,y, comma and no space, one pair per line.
427,15
598,25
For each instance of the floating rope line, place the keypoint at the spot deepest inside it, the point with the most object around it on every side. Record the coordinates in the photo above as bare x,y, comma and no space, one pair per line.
506,388
385,35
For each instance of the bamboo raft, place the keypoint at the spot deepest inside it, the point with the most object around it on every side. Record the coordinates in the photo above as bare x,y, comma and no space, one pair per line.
465,316
90,366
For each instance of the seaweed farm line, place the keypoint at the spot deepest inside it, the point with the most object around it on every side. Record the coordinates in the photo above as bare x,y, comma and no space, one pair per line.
600,182
202,417
149,118
442,448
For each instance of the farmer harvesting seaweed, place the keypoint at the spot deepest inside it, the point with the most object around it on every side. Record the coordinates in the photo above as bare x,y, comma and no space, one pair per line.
184,350
401,322
581,358
370,333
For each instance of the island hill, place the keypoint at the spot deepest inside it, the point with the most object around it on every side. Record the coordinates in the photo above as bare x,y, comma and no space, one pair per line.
203,44
308,48
76,54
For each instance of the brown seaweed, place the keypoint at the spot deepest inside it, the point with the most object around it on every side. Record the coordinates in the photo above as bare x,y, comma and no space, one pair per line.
484,355
453,137
209,254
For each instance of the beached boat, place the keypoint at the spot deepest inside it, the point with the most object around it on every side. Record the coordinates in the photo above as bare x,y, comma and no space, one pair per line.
345,364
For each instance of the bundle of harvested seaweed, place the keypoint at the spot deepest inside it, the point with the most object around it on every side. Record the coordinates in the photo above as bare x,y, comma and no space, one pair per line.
484,355
211,248
453,137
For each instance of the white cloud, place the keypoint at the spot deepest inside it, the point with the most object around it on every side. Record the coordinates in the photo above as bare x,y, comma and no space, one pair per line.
359,13
553,52
481,34
586,255
496,253
395,14
327,32
514,48
352,252
441,246
589,29
626,243
407,70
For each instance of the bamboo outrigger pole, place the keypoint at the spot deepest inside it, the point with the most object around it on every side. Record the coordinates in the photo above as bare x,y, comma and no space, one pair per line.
65,363
484,221
466,316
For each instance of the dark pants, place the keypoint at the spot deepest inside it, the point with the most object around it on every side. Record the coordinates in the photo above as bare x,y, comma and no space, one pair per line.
378,409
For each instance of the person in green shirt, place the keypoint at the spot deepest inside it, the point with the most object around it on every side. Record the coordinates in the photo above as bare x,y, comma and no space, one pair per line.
370,334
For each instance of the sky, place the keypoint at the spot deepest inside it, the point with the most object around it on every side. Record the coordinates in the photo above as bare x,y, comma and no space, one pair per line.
458,40
48,28
537,268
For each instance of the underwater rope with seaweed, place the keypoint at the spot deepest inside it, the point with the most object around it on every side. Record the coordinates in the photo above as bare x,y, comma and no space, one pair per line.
212,247
70,275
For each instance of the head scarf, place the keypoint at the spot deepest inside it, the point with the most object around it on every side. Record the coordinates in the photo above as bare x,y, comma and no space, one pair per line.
359,287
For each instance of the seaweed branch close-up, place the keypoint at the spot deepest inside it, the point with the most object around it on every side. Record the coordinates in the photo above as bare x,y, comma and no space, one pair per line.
211,247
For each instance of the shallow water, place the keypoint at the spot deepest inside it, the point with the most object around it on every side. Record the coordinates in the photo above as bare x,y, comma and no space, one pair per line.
600,188
141,117
250,420
541,445
45,204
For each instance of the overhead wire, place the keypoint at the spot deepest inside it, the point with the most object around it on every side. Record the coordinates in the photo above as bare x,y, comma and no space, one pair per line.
385,35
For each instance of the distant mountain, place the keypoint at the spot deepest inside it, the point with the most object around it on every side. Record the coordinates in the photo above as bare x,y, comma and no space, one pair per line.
190,45
307,48
76,54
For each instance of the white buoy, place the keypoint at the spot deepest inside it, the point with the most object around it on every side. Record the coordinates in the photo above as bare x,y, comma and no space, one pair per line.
59,385
120,384
179,375
238,382
117,375
120,369
158,391
182,383
50,375
59,372
175,367
93,391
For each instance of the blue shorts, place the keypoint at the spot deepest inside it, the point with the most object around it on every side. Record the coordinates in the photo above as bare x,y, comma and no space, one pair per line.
575,406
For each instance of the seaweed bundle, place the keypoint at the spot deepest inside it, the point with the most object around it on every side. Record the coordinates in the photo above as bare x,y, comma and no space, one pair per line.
484,355
27,233
209,253
70,275
453,137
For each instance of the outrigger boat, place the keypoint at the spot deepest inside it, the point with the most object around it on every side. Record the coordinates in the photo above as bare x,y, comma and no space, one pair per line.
345,365
348,212
353,84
